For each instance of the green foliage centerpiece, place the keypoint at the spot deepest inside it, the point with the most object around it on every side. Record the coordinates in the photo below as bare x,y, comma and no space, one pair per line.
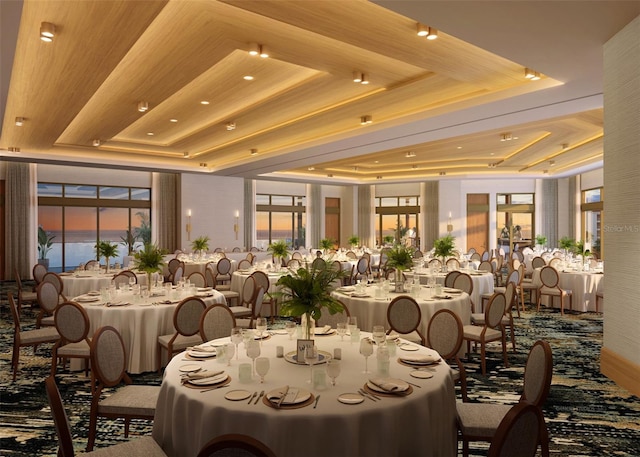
45,242
107,250
307,291
200,245
400,257
354,241
279,250
444,247
567,243
541,240
327,244
149,260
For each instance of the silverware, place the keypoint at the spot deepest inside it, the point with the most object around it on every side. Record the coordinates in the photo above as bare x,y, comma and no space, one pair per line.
214,388
192,360
316,402
366,395
415,385
259,397
252,397
284,394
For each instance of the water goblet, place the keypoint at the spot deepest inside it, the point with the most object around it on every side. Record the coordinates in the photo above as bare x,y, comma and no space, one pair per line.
311,357
342,329
253,351
378,334
261,327
290,326
247,336
366,349
352,324
229,350
236,338
333,370
262,367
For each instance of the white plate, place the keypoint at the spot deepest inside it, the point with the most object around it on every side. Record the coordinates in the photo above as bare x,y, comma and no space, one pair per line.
86,299
408,347
237,395
318,332
302,396
190,368
400,382
201,354
421,374
209,381
94,293
350,399
292,357
410,361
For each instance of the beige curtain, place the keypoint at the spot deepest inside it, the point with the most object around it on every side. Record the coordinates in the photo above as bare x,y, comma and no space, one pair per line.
549,214
366,216
20,204
249,215
429,196
314,215
166,205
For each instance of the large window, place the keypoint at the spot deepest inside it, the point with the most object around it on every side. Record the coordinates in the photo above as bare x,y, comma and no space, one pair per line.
280,217
515,220
397,220
78,216
592,213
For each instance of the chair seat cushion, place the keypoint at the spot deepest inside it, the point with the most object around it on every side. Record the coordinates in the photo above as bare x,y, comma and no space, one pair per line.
223,287
79,349
478,319
239,311
551,291
181,342
28,296
131,400
472,332
39,335
145,446
480,420
48,321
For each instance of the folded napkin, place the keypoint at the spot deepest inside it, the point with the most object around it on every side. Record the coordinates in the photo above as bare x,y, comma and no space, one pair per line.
200,375
123,303
390,385
424,359
210,349
282,395
323,330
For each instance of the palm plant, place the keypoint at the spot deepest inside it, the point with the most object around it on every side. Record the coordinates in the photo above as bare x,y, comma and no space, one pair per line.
149,260
354,241
400,257
45,242
107,250
279,250
200,244
327,243
444,247
566,243
541,240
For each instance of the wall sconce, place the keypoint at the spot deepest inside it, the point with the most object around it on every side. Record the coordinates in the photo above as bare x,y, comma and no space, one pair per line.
449,224
236,225
188,225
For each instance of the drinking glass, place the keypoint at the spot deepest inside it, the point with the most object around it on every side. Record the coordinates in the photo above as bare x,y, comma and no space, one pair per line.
378,334
290,326
236,338
333,370
229,350
262,367
311,357
247,336
366,349
342,329
261,327
352,324
253,351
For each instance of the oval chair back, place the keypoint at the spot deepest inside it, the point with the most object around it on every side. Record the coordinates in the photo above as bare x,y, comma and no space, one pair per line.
216,322
404,316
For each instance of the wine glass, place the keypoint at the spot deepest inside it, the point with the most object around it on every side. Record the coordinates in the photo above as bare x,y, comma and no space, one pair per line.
311,357
247,336
366,349
253,351
352,324
262,367
333,370
342,329
290,326
229,350
236,338
261,327
378,334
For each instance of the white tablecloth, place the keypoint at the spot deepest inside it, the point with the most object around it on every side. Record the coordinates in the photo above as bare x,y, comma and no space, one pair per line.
140,324
583,286
86,281
422,423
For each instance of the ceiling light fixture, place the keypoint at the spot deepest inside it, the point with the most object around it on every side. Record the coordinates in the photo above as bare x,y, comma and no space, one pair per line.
365,120
231,126
552,163
185,155
506,137
254,151
173,120
565,146
14,149
143,106
330,175
19,121
415,167
47,31
429,32
443,173
204,102
247,78
531,74
311,168
410,154
355,168
357,76
203,164
96,143
365,79
379,177
149,133
433,34
263,51
254,49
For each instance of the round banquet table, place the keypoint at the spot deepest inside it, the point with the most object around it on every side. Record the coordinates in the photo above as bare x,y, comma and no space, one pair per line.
140,322
482,284
75,284
372,311
583,285
421,423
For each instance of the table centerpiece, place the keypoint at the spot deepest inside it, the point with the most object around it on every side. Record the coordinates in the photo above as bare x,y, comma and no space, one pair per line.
149,260
107,250
400,258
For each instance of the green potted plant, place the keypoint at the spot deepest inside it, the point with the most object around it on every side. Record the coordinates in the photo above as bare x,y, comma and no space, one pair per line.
354,241
541,240
45,243
327,244
149,260
566,243
305,292
279,250
128,241
400,257
444,247
200,245
107,250
388,239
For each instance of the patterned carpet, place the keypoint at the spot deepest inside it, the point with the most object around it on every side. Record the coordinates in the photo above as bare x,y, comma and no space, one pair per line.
587,414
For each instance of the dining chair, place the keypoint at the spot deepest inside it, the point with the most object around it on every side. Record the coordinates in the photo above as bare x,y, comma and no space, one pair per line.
404,317
56,280
360,271
172,266
23,338
513,277
38,273
418,254
318,263
223,269
236,249
518,255
507,319
178,274
351,255
48,299
475,256
24,296
450,278
130,274
210,281
599,294
464,283
538,262
555,262
293,264
144,446
196,278
244,264
92,264
72,324
492,330
121,278
435,263
452,264
520,433
108,365
296,255
444,335
486,255
486,266
262,280
235,445
326,318
479,421
550,287
216,322
186,321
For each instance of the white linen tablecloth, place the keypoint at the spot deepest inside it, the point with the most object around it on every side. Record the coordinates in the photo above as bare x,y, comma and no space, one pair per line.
583,286
422,423
140,323
75,284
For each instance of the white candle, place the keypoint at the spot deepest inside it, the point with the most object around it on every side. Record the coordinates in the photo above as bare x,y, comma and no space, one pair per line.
237,213
189,212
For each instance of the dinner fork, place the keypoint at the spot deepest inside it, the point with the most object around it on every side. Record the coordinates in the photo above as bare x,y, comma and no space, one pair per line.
366,395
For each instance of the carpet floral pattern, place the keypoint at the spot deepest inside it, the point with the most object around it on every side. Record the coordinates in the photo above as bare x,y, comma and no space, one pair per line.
587,414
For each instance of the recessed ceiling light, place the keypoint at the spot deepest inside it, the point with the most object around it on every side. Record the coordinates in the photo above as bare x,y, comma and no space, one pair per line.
365,120
13,149
185,155
143,106
311,168
414,167
204,102
247,78
379,177
330,175
96,143
552,163
459,147
442,173
173,120
564,145
492,153
231,126
410,154
254,152
355,168
19,121
376,161
150,133
47,31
